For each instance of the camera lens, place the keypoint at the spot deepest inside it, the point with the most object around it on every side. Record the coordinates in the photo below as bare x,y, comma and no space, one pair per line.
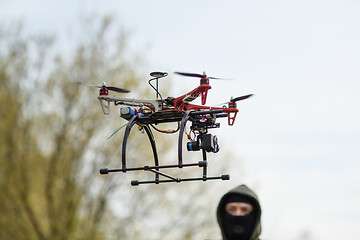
193,146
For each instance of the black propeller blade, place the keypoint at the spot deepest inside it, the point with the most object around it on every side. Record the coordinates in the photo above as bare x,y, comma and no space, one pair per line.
241,98
191,74
233,100
196,75
115,89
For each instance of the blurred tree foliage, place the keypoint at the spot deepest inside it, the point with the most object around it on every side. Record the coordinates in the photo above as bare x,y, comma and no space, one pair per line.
52,145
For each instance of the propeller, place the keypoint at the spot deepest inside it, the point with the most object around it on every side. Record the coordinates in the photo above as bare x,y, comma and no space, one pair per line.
115,89
196,75
234,100
241,98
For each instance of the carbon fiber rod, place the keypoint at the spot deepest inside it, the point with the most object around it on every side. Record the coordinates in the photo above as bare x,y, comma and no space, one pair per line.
146,168
222,177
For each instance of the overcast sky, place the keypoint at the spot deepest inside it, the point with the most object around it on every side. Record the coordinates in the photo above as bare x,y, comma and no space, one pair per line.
298,138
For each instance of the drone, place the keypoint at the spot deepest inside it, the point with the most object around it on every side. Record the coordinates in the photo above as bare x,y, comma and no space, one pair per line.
147,114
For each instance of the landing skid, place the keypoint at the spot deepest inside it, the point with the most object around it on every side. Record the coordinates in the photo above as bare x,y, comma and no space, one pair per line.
144,122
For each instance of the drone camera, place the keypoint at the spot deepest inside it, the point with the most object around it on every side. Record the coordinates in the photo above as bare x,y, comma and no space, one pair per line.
208,142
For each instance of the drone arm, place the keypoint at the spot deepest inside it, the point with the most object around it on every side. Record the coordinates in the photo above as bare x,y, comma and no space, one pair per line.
156,104
192,95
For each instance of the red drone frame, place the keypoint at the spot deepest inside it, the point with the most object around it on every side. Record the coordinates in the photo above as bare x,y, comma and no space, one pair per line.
182,103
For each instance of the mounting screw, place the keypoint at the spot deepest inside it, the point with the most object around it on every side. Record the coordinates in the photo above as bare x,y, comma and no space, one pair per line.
104,171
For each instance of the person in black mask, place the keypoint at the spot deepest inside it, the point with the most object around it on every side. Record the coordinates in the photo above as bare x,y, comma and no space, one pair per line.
239,214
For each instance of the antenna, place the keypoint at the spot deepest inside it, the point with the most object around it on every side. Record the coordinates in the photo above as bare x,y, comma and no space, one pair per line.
156,76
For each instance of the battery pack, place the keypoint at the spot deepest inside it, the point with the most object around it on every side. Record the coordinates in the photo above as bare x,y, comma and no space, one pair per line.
127,112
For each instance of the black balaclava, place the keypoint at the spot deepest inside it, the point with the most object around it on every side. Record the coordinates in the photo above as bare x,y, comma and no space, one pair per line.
239,227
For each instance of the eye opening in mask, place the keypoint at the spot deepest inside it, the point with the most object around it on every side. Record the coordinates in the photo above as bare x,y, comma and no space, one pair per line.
238,208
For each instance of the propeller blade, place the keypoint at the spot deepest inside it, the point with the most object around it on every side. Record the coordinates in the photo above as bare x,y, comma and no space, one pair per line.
191,74
241,98
115,89
222,104
199,75
90,85
230,79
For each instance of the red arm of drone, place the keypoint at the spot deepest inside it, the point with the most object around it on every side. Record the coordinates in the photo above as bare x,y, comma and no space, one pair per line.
192,95
204,96
232,112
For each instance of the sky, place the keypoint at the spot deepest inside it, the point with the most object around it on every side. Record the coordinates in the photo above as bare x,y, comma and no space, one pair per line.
298,137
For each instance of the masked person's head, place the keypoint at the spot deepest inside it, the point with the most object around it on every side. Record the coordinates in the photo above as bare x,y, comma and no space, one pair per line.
239,215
